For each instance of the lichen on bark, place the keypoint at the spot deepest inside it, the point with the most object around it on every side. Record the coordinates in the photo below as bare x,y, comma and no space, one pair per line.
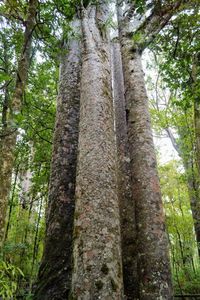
152,246
97,270
54,280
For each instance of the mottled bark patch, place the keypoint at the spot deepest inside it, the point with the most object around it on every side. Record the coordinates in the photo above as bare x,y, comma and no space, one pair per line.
54,281
152,246
97,254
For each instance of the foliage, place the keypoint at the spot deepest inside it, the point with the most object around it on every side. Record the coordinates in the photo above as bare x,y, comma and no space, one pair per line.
172,109
183,249
26,210
189,284
9,275
179,43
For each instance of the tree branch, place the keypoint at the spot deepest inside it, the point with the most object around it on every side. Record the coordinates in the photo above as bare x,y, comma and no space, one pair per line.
10,16
153,24
173,141
3,135
129,12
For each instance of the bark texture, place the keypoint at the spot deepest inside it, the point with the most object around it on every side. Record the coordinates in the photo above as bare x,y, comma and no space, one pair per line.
54,280
97,256
153,259
9,134
126,203
6,86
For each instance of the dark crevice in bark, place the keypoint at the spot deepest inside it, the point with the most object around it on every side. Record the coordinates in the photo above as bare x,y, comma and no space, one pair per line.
127,206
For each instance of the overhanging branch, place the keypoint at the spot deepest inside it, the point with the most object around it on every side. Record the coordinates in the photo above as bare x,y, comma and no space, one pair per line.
157,20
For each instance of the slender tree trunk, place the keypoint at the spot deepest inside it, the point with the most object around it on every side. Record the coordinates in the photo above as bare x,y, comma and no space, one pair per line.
11,203
196,213
196,204
36,239
186,154
192,181
194,196
97,270
196,95
9,134
197,129
26,238
127,206
6,89
54,278
153,258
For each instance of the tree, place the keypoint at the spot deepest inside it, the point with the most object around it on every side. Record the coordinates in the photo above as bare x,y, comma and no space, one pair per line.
181,57
55,271
151,234
183,250
24,237
97,266
9,134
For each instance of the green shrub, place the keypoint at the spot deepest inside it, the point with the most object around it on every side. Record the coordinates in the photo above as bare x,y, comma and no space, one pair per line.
187,284
8,279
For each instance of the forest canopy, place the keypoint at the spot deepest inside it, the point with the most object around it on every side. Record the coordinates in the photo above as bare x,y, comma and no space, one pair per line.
90,206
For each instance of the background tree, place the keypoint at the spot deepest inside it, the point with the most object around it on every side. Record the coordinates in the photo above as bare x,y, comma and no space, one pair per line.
183,249
178,58
9,133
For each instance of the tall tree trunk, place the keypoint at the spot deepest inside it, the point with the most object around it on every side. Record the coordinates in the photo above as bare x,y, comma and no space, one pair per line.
9,134
54,278
127,206
97,270
153,258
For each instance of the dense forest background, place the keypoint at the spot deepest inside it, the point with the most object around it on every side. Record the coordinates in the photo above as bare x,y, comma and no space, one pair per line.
171,64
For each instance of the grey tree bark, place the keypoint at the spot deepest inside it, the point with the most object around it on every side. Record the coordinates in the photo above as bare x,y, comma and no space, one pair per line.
54,280
152,245
126,203
97,270
9,134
